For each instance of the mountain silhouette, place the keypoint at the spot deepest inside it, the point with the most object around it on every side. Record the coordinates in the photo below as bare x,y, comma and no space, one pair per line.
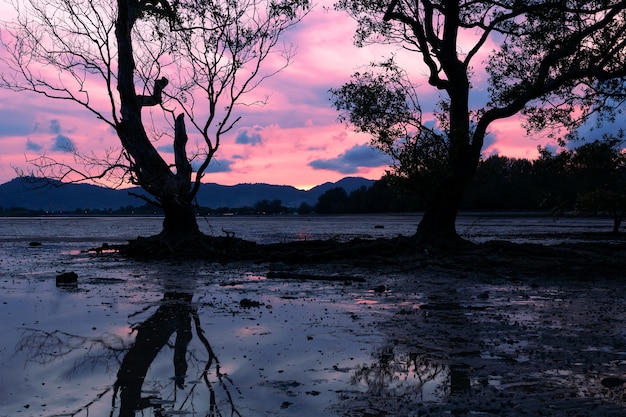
35,193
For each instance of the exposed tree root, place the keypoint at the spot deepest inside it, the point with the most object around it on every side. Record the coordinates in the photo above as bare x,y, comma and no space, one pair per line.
226,249
590,259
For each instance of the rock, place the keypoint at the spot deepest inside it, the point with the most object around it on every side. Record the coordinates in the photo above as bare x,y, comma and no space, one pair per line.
379,289
67,278
612,382
34,243
247,303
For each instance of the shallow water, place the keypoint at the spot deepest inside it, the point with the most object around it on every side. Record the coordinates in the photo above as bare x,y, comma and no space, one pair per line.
203,339
270,229
63,348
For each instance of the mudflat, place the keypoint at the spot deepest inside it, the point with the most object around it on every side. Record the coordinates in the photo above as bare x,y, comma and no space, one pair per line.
363,328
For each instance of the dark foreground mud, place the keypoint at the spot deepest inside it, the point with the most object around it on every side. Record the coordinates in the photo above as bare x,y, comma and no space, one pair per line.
509,345
588,258
496,328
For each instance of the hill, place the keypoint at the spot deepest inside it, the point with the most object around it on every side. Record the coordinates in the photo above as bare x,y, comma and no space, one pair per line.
45,194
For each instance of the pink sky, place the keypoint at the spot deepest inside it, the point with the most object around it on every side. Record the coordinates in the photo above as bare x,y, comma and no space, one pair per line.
295,139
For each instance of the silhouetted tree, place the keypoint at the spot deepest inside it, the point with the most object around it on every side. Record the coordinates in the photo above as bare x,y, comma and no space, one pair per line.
358,201
304,208
334,200
269,207
175,315
554,62
502,183
597,171
190,59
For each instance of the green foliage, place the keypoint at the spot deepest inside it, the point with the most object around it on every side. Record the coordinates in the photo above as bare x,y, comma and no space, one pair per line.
503,183
383,103
601,169
304,208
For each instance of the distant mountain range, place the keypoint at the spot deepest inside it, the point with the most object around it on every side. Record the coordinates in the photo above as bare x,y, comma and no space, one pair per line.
45,194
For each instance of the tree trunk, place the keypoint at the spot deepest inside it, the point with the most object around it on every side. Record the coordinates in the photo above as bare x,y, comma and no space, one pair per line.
438,225
618,217
180,223
172,191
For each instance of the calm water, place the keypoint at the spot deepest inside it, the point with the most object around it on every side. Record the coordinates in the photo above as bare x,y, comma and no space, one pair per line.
183,339
289,228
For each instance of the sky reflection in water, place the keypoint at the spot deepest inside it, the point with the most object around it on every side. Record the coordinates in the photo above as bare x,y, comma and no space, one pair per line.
127,342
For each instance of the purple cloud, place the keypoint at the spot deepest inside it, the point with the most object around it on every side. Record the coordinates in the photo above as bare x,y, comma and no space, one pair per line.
63,144
349,162
249,136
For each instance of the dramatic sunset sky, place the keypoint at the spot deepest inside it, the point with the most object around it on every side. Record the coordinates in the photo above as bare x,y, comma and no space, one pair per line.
295,139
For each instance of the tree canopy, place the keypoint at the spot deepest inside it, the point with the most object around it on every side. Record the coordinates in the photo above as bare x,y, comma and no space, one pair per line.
183,63
555,63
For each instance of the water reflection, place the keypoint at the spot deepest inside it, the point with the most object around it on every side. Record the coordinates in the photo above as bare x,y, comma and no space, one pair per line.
412,375
399,374
169,330
417,370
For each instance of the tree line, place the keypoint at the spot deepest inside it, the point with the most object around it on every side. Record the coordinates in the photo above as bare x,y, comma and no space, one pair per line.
590,179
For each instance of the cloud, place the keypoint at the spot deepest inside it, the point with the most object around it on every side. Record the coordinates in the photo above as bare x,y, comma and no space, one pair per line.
349,162
489,141
14,122
165,148
32,146
55,127
63,144
249,136
216,165
595,129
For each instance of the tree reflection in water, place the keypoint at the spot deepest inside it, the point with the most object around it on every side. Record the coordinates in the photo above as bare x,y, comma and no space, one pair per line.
175,314
416,376
396,374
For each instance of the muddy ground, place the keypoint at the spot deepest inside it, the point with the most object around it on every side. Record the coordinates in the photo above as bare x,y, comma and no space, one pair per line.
497,329
519,330
367,328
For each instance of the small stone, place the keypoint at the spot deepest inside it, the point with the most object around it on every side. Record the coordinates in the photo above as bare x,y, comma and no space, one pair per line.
612,382
380,289
247,303
67,278
483,295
